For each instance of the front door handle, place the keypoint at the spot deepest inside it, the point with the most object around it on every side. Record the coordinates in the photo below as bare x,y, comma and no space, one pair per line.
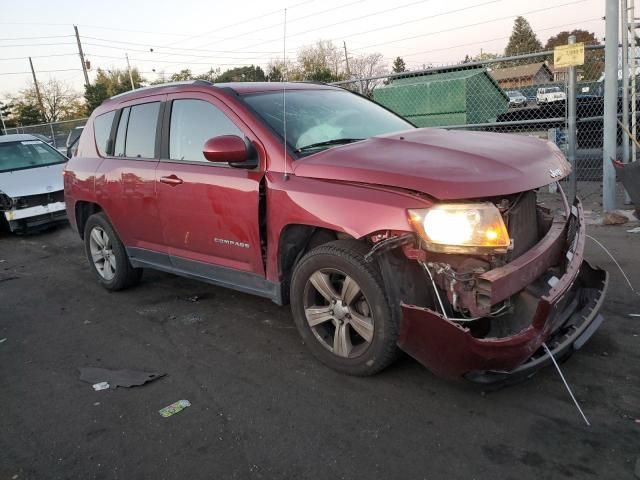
172,180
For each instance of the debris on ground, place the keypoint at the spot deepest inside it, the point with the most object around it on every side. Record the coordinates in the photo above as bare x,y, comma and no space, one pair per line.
614,218
100,386
634,230
634,314
191,319
174,408
2,340
193,298
118,378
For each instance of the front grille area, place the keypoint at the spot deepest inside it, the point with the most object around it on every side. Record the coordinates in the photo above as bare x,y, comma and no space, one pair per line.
41,199
522,223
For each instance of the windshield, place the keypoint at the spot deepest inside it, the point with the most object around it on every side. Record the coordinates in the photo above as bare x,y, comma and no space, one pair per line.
553,90
27,154
320,119
514,93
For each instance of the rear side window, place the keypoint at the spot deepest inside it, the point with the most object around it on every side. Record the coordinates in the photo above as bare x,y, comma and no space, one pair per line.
102,128
193,122
140,140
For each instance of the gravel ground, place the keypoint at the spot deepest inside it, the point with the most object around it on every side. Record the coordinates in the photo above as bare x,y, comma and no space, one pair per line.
262,407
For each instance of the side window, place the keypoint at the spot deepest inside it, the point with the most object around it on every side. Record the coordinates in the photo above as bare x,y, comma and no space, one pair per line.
141,131
102,128
193,122
121,134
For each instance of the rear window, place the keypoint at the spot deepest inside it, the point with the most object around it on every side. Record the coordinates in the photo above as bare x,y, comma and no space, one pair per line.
140,138
102,128
28,154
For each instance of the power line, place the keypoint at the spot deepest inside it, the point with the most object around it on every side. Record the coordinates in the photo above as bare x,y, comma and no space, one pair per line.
470,25
144,32
33,38
172,48
398,7
449,12
44,71
479,42
36,45
345,5
40,56
257,17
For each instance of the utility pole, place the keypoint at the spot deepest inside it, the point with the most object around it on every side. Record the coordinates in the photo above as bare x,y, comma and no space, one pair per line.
126,55
346,59
4,127
84,64
610,120
571,128
633,79
624,21
35,83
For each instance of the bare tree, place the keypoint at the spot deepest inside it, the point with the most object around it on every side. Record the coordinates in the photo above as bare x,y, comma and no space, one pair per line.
321,62
366,66
60,101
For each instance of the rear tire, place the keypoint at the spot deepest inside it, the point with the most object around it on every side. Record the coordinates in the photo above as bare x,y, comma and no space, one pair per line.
341,310
107,255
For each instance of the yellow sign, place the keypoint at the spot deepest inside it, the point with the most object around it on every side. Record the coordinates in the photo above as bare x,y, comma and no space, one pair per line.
568,55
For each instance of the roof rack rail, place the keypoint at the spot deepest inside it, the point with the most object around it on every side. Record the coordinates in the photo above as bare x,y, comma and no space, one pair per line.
161,85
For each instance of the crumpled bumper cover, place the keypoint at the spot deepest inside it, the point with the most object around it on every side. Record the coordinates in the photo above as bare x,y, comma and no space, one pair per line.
564,320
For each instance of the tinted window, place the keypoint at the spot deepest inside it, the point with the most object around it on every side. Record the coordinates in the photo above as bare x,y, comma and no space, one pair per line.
102,128
121,135
141,131
27,154
193,122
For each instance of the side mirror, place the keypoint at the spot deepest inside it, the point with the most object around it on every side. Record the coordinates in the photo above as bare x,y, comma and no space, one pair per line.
230,149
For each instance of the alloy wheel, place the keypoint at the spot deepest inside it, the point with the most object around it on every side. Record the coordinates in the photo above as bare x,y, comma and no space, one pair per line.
102,253
338,313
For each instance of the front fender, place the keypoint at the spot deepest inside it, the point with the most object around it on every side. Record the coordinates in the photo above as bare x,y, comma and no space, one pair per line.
353,209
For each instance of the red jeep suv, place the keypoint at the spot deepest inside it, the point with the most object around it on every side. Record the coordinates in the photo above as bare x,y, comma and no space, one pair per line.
382,237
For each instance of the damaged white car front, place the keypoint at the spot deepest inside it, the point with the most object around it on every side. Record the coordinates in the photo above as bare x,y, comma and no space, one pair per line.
31,184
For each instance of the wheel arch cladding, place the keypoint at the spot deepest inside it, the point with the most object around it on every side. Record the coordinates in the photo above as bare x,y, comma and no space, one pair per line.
83,211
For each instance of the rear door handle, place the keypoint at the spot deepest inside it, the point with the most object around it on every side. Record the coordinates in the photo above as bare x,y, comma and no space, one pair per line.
172,180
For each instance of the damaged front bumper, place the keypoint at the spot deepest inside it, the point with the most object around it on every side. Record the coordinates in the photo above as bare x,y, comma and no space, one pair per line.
563,317
36,216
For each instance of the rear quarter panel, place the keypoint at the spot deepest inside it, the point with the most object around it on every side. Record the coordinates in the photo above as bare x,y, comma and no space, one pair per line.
79,173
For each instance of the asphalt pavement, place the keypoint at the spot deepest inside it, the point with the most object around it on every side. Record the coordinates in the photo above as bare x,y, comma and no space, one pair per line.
262,407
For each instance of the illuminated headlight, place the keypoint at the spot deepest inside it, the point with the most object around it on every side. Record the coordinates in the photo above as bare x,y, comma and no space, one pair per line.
461,228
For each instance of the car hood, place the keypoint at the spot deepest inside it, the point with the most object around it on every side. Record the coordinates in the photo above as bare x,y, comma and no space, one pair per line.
32,181
446,164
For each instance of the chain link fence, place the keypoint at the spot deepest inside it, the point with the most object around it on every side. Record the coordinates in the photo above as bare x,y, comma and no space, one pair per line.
521,95
58,134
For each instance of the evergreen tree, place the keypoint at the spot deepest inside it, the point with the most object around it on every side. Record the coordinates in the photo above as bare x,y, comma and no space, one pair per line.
522,39
398,65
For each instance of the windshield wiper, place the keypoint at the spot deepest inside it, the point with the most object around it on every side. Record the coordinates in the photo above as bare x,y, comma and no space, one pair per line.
328,143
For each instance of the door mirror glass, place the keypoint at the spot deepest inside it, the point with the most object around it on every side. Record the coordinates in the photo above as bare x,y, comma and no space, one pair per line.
230,149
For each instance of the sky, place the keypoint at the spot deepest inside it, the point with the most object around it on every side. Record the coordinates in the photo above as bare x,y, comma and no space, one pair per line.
170,36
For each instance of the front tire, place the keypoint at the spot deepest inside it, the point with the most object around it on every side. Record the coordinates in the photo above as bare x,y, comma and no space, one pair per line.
341,310
107,255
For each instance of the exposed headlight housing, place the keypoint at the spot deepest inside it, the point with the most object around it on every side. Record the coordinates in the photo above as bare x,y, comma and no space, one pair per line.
461,228
6,202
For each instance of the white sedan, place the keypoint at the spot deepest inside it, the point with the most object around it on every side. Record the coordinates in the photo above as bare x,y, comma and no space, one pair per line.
31,184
